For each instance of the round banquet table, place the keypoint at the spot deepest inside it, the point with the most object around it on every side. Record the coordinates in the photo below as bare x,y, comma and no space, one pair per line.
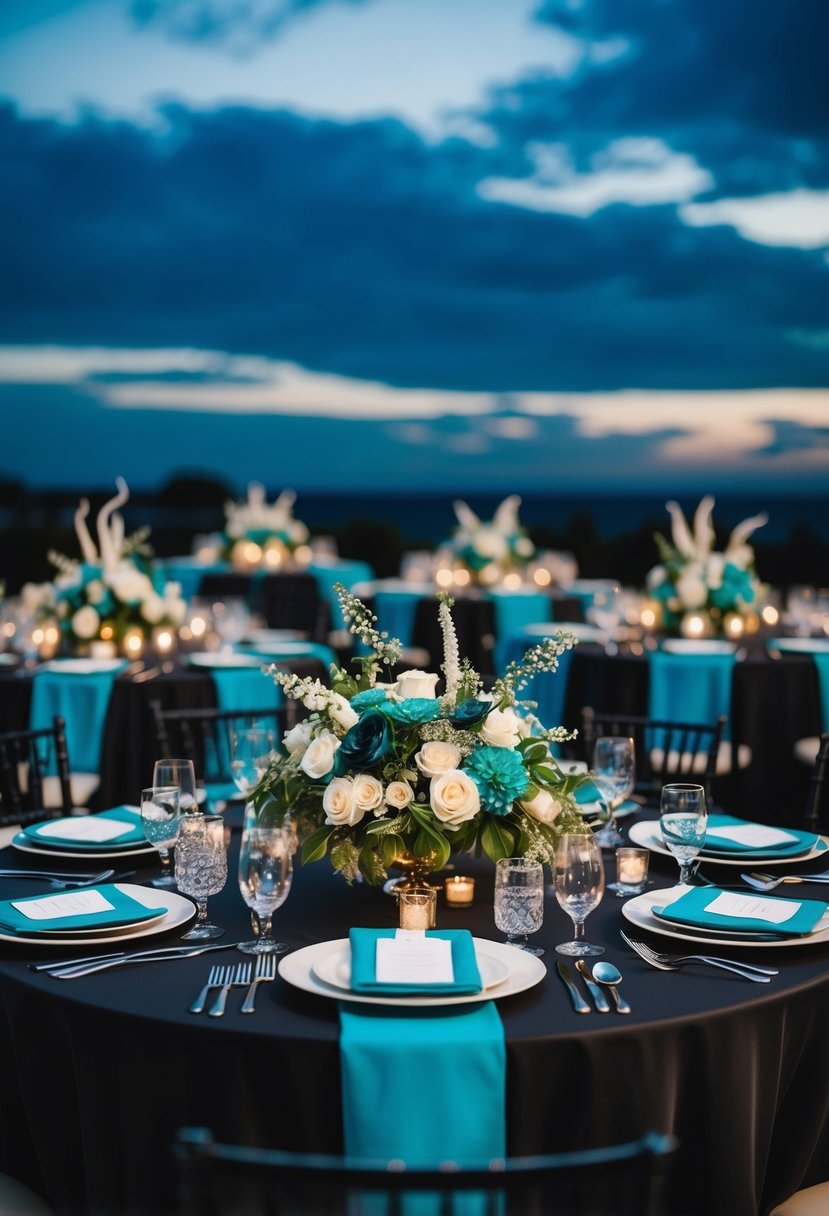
100,1072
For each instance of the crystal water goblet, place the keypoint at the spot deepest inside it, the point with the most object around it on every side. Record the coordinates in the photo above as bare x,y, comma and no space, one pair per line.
265,874
181,773
251,746
683,821
614,775
201,868
519,900
578,883
160,821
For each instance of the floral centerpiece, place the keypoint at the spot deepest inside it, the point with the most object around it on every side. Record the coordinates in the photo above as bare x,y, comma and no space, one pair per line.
261,533
698,587
384,771
108,596
490,550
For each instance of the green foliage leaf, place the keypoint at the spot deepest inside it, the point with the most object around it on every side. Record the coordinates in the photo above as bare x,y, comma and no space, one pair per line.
316,845
498,839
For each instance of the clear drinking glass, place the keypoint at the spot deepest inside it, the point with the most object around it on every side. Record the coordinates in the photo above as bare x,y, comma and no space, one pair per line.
683,820
201,868
265,874
181,773
160,819
614,775
519,900
578,882
251,745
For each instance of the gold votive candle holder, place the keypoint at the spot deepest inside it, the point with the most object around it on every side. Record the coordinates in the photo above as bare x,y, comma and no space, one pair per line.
460,891
417,907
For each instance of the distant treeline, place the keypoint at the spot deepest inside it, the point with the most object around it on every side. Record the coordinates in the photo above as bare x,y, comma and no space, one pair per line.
610,537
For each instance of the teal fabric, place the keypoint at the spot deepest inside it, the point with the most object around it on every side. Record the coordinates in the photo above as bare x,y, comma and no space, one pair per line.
82,700
821,661
395,612
189,572
347,572
445,1070
689,687
803,842
588,793
818,651
514,610
547,688
245,688
464,964
125,814
222,791
124,911
689,910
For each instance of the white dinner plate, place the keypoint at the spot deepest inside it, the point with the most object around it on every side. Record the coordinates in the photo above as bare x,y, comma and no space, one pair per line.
698,646
179,912
638,912
24,845
646,834
523,971
8,660
274,637
799,645
582,630
335,968
221,660
83,667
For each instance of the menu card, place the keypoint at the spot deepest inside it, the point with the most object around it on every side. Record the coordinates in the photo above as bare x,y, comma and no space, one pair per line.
754,907
57,907
751,835
410,957
86,828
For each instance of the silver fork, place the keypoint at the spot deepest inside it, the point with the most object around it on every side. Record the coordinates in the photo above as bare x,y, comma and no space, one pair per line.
214,980
673,962
767,882
61,882
265,972
238,977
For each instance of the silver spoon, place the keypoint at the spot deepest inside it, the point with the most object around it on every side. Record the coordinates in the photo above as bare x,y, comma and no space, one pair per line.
610,976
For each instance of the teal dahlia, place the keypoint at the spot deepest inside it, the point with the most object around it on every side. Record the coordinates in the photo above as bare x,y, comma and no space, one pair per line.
500,776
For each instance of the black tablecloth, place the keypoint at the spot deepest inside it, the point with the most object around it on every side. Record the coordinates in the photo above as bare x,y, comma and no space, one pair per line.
100,1072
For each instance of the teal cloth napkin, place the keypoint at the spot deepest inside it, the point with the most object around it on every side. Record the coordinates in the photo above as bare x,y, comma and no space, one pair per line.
464,964
125,814
124,910
817,651
802,842
82,700
689,687
690,909
458,1057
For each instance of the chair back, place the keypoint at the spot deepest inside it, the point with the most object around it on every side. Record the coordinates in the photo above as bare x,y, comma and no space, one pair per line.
666,751
227,585
817,787
27,758
204,736
220,1179
293,601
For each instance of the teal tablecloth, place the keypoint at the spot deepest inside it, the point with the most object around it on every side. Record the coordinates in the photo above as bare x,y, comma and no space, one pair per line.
690,687
81,699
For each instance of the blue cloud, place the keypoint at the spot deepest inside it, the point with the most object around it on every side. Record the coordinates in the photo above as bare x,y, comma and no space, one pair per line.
237,27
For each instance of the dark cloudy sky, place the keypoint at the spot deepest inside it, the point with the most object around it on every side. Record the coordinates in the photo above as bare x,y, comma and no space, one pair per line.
456,243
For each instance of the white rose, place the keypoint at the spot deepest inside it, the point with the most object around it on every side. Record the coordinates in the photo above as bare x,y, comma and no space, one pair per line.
544,807
86,622
95,591
489,543
174,606
342,713
339,803
454,797
524,547
501,728
368,792
398,795
319,755
298,737
129,585
436,758
153,609
416,684
691,591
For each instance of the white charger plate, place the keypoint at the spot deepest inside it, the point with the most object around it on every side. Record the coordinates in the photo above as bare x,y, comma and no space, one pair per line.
23,844
698,646
638,912
523,971
799,645
223,660
179,912
335,968
646,834
83,667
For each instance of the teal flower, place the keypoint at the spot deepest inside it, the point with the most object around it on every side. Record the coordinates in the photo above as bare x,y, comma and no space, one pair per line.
469,713
500,776
368,741
368,699
413,710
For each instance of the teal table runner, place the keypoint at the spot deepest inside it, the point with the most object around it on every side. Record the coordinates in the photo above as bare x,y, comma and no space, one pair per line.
690,687
81,699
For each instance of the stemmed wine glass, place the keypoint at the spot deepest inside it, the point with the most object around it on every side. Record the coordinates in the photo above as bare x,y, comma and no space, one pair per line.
519,900
683,820
614,775
265,873
251,745
578,882
181,773
201,868
160,820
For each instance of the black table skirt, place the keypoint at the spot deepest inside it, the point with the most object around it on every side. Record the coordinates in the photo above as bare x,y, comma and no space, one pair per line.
100,1072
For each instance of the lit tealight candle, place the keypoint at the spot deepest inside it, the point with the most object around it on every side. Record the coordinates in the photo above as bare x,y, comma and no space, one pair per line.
133,643
734,625
417,907
460,890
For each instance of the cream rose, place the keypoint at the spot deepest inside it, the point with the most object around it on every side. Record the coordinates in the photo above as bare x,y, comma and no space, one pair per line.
544,807
502,728
454,797
416,684
298,737
153,609
399,794
339,803
435,758
319,755
368,793
129,585
342,713
86,622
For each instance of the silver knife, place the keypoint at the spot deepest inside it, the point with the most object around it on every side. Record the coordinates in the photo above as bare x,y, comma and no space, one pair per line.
181,948
599,998
70,971
579,1003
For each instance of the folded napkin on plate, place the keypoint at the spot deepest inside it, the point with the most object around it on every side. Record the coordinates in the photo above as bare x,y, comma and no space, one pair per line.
467,977
712,908
100,907
118,828
588,794
726,834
